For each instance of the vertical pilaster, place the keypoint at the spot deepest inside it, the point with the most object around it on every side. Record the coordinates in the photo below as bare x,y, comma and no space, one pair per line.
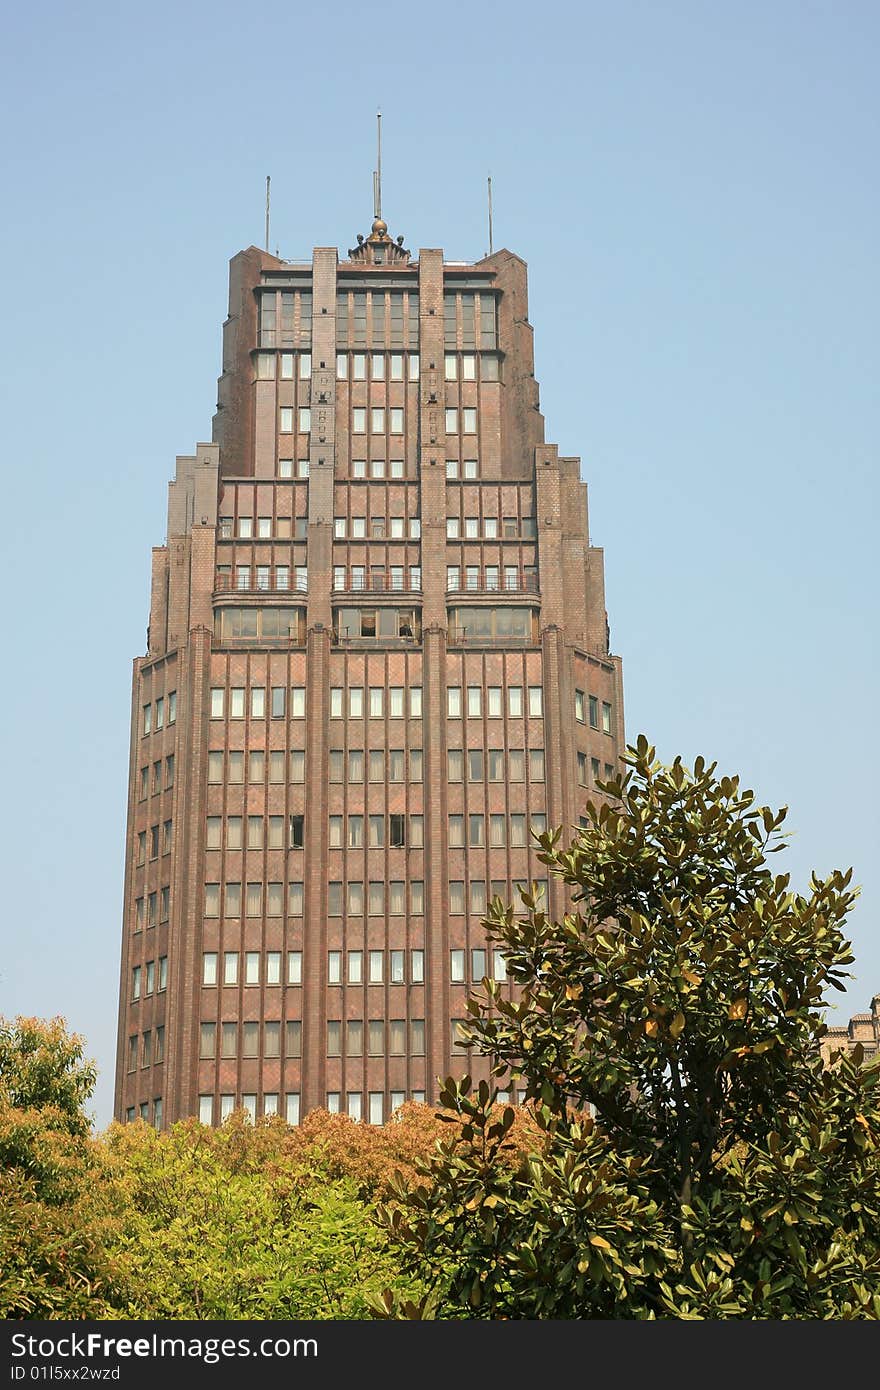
314,868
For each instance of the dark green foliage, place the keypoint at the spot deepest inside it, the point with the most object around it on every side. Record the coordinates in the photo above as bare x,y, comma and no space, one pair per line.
697,1160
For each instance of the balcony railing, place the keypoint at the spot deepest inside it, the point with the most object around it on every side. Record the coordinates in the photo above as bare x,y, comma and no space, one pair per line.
484,583
272,583
377,582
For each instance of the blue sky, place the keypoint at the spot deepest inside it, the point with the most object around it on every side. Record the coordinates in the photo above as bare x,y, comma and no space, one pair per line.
693,186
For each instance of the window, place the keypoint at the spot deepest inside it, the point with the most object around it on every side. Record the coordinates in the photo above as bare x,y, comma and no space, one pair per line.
579,706
395,420
206,1110
305,419
469,420
497,831
355,967
377,967
336,694
456,967
233,832
395,702
594,712
417,897
377,701
456,896
233,900
209,967
606,717
293,1038
229,1040
355,832
212,899
334,967
582,769
474,701
452,528
254,836
536,764
294,967
230,967
454,765
476,831
355,765
515,701
236,703
376,831
356,898
397,831
517,830
295,899
451,420
291,1107
297,831
417,966
536,701
236,765
356,702
397,959
136,982
456,831
417,1037
415,701
453,701
252,968
354,1037
354,1103
453,578
376,899
207,1039
475,764
273,968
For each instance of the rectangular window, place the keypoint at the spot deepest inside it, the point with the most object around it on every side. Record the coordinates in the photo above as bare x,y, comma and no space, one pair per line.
475,764
497,831
356,702
453,701
594,712
377,700
209,967
254,900
517,830
456,831
217,702
417,966
254,835
354,1037
606,717
334,967
334,899
580,712
355,832
397,1037
515,701
415,701
294,967
215,767
476,831
230,967
295,898
297,831
417,1037
273,967
356,898
236,703
456,967
376,831
536,764
377,967
456,896
291,1107
417,898
233,832
376,899
536,701
478,903
252,968
293,1038
582,769
207,1040
474,701
212,899
397,831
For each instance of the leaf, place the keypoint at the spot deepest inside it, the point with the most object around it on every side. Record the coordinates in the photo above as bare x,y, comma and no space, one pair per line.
738,1008
677,1025
599,1243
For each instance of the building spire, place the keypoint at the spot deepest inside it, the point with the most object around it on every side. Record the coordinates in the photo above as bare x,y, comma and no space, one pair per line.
378,248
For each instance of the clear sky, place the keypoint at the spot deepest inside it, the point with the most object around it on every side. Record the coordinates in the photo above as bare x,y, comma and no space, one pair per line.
694,187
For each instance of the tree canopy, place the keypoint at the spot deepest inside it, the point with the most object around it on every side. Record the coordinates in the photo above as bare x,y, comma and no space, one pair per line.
697,1160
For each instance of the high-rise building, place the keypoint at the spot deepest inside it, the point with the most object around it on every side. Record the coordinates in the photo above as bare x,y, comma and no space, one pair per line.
377,656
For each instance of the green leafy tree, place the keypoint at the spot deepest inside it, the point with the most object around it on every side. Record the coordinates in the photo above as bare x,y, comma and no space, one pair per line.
697,1161
58,1203
229,1224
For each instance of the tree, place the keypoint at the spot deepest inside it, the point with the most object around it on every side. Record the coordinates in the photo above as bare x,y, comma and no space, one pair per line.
58,1203
697,1161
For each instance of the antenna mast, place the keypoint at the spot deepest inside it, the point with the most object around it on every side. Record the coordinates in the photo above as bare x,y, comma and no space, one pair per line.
267,212
377,172
490,214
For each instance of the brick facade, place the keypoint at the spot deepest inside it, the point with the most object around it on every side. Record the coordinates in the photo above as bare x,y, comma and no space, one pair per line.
377,655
